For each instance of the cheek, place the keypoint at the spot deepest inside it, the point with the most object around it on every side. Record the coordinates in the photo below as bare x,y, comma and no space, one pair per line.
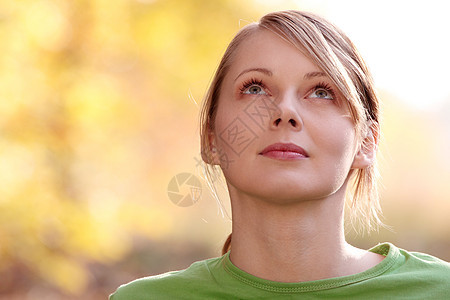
344,154
235,129
344,141
231,137
338,140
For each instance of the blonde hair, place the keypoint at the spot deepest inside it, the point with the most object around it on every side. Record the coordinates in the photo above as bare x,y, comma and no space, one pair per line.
333,52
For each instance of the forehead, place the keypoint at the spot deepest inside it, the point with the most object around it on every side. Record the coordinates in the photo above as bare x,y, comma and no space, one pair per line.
262,48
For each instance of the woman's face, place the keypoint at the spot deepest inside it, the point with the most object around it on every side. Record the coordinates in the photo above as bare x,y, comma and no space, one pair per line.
275,95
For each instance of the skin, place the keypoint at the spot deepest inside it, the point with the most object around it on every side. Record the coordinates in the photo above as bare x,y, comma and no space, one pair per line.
288,214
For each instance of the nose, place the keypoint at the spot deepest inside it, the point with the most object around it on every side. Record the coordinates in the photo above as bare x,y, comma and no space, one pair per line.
287,115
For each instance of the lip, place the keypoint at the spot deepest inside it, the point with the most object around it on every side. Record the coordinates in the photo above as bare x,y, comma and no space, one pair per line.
284,151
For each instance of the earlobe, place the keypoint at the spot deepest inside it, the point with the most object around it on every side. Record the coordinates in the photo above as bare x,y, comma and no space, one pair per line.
210,153
366,155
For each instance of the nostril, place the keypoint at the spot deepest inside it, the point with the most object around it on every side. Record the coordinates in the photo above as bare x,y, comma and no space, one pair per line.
293,122
277,121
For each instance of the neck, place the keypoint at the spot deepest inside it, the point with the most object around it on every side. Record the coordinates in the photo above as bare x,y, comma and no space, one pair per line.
292,243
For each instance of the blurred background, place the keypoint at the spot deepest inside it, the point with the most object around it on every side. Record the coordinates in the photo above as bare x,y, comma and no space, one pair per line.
99,105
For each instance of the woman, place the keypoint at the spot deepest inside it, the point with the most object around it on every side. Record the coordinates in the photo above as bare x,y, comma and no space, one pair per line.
291,119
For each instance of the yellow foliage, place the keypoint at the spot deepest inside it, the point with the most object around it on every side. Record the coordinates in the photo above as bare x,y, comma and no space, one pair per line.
66,274
86,87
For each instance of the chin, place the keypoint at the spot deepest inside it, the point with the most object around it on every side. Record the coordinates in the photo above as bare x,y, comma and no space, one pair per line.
287,193
291,196
282,188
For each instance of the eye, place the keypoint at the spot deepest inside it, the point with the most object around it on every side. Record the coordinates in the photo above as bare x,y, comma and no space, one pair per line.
254,90
322,91
253,87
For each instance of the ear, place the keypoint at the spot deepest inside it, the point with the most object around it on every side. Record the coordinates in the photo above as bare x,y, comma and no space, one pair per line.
210,153
368,148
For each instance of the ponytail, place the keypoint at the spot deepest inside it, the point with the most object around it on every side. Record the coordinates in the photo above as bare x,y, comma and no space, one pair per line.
227,245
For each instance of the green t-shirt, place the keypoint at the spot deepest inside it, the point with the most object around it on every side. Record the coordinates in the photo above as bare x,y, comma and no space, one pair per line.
401,275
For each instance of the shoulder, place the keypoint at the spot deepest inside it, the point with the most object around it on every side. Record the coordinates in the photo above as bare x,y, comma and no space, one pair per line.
412,259
426,263
174,284
414,271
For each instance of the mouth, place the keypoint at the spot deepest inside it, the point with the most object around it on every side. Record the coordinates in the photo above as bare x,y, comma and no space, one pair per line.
284,151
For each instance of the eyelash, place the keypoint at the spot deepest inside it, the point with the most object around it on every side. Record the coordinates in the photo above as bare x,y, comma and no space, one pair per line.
325,86
254,81
249,83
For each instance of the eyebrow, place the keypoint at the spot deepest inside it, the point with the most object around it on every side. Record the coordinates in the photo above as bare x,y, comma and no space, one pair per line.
311,75
261,70
267,72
